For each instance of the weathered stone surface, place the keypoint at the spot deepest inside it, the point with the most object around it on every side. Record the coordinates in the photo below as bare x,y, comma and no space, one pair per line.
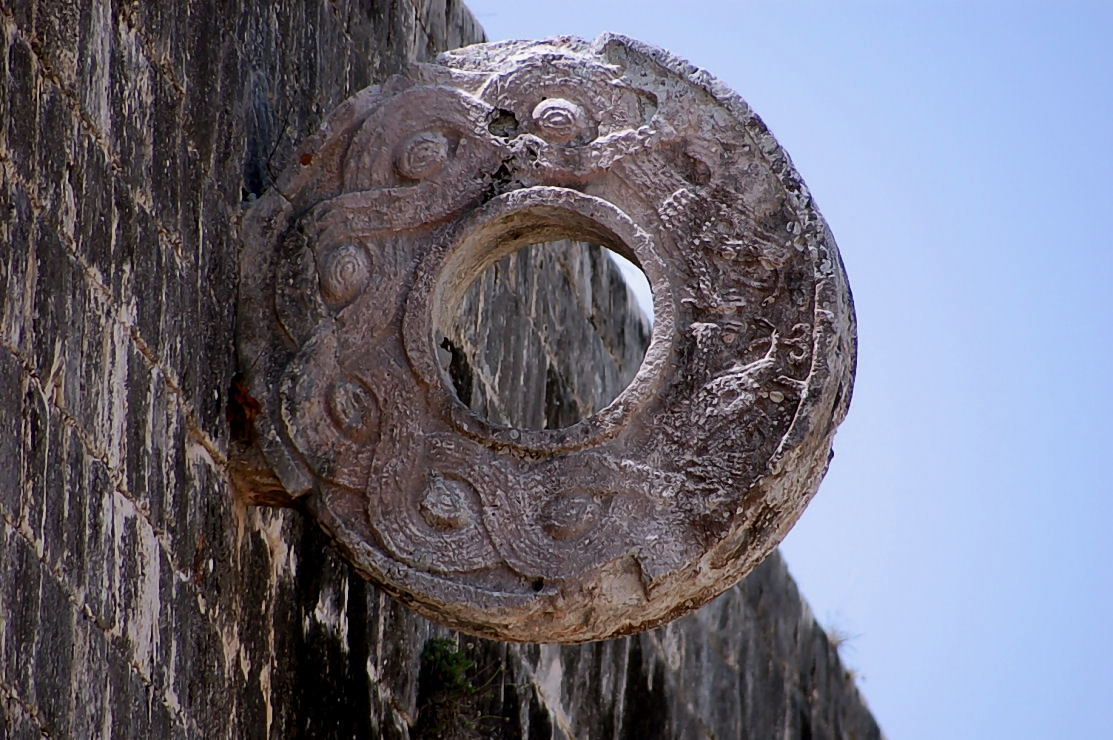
355,267
137,599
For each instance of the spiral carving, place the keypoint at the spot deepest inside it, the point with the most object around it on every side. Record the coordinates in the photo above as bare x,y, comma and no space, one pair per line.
422,155
559,120
345,270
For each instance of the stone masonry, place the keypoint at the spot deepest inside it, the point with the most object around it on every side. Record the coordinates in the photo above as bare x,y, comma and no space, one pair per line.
558,301
138,598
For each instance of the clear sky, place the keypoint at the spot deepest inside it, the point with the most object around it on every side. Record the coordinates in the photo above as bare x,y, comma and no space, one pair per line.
961,152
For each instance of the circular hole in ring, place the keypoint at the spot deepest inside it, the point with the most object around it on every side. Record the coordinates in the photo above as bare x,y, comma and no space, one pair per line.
552,327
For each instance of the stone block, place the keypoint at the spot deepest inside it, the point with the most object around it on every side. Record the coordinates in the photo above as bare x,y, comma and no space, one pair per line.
53,657
13,388
22,91
21,587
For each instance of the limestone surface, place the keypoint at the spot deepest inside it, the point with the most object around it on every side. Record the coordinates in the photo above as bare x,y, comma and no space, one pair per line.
355,264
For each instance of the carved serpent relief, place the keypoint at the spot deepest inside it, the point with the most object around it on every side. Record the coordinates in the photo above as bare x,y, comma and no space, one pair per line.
356,260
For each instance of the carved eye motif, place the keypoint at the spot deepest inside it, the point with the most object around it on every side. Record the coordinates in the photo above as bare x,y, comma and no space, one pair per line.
559,120
422,155
345,269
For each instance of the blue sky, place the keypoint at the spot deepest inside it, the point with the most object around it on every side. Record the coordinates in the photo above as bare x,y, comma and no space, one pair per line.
962,154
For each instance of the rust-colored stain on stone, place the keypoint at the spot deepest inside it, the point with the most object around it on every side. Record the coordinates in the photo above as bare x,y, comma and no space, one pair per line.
357,260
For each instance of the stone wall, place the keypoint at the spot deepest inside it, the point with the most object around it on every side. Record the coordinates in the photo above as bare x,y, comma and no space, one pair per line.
545,337
137,598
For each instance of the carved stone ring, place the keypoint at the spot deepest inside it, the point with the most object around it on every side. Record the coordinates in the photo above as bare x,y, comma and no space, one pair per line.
358,258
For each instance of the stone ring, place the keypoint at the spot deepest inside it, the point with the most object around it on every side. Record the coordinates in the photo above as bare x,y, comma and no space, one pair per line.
358,257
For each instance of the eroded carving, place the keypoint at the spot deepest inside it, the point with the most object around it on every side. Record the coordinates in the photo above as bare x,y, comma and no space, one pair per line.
345,269
356,260
558,120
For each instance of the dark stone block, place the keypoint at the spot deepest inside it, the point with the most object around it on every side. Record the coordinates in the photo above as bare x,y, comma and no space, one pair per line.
23,12
71,546
125,239
94,209
156,20
251,711
201,107
56,131
54,283
162,677
191,172
646,701
213,556
16,724
20,587
54,657
89,49
137,455
157,457
260,131
17,229
131,566
179,292
56,29
22,94
184,539
50,490
125,705
70,355
166,152
101,587
180,607
129,116
11,427
363,20
88,686
161,722
38,436
540,723
153,264
210,692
